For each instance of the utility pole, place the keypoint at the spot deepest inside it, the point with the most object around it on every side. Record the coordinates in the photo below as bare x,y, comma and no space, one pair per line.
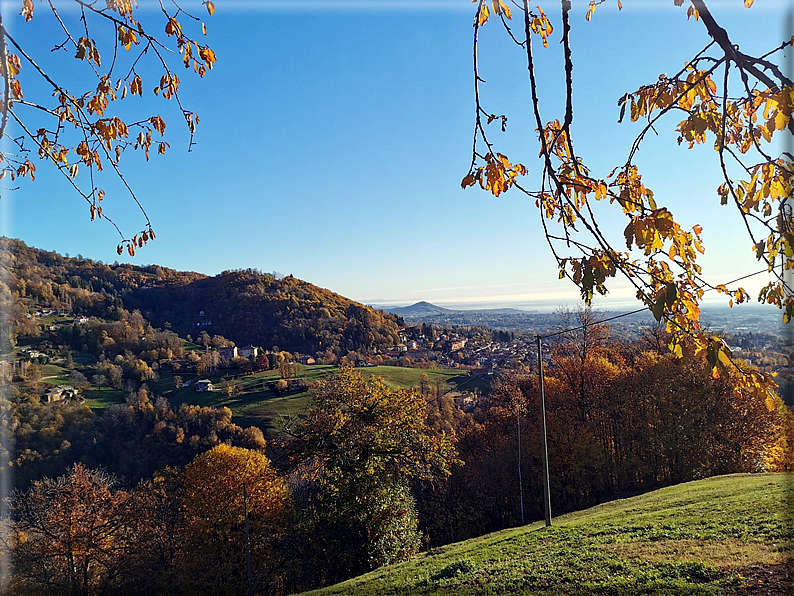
520,480
248,543
544,450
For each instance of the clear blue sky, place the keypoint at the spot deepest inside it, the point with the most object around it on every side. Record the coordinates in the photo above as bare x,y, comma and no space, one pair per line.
334,136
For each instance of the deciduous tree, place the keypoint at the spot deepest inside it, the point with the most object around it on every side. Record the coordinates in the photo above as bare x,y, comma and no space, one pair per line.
73,534
364,443
234,501
81,124
723,96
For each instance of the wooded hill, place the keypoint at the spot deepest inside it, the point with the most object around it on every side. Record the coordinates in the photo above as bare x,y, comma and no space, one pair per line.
247,306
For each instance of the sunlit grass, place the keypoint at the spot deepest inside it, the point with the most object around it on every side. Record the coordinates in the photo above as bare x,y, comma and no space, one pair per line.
694,538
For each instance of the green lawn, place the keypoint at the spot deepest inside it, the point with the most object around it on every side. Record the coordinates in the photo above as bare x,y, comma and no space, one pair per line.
192,347
52,370
706,537
99,398
399,378
54,374
55,320
259,404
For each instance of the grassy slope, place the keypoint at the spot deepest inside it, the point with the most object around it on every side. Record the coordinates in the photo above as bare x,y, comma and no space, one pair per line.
54,374
693,538
260,405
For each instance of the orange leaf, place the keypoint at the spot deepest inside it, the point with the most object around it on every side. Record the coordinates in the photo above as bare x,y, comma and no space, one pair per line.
27,9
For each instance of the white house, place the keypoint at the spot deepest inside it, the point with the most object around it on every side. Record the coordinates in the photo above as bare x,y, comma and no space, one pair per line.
248,352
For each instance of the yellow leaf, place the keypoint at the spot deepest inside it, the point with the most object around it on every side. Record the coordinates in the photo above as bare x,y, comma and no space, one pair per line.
601,191
781,120
482,15
210,7
748,3
765,133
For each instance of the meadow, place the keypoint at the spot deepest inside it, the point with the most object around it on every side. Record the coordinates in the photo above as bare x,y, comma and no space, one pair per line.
259,403
728,534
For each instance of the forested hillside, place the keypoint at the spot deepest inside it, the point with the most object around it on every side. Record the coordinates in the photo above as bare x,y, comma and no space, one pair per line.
252,307
248,307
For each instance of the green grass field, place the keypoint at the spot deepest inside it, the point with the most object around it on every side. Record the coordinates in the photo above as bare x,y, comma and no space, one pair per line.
706,537
191,347
260,405
55,320
54,374
99,398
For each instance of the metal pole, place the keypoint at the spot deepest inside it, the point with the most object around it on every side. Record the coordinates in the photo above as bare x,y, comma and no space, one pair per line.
520,479
544,450
248,543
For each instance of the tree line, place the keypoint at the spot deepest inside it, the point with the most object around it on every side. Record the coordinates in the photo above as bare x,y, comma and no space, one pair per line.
622,419
245,305
181,509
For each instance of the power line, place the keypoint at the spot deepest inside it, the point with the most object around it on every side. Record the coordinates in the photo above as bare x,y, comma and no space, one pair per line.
639,310
544,450
733,281
625,314
579,327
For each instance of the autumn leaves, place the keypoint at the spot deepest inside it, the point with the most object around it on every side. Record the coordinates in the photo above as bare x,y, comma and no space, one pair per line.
88,128
661,260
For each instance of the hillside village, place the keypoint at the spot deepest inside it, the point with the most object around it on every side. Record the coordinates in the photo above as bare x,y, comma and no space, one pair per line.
95,382
421,345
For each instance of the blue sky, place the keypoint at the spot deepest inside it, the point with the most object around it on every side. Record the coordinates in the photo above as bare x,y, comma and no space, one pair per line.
334,136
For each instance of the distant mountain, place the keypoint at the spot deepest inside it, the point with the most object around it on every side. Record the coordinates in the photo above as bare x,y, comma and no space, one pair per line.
420,309
246,306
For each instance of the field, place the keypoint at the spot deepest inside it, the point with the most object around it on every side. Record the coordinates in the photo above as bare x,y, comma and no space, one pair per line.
260,405
99,398
724,535
54,374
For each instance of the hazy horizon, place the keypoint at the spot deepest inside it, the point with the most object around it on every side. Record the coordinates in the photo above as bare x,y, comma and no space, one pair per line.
363,132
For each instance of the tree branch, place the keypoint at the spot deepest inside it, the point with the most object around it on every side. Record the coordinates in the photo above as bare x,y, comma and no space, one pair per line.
732,52
6,80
